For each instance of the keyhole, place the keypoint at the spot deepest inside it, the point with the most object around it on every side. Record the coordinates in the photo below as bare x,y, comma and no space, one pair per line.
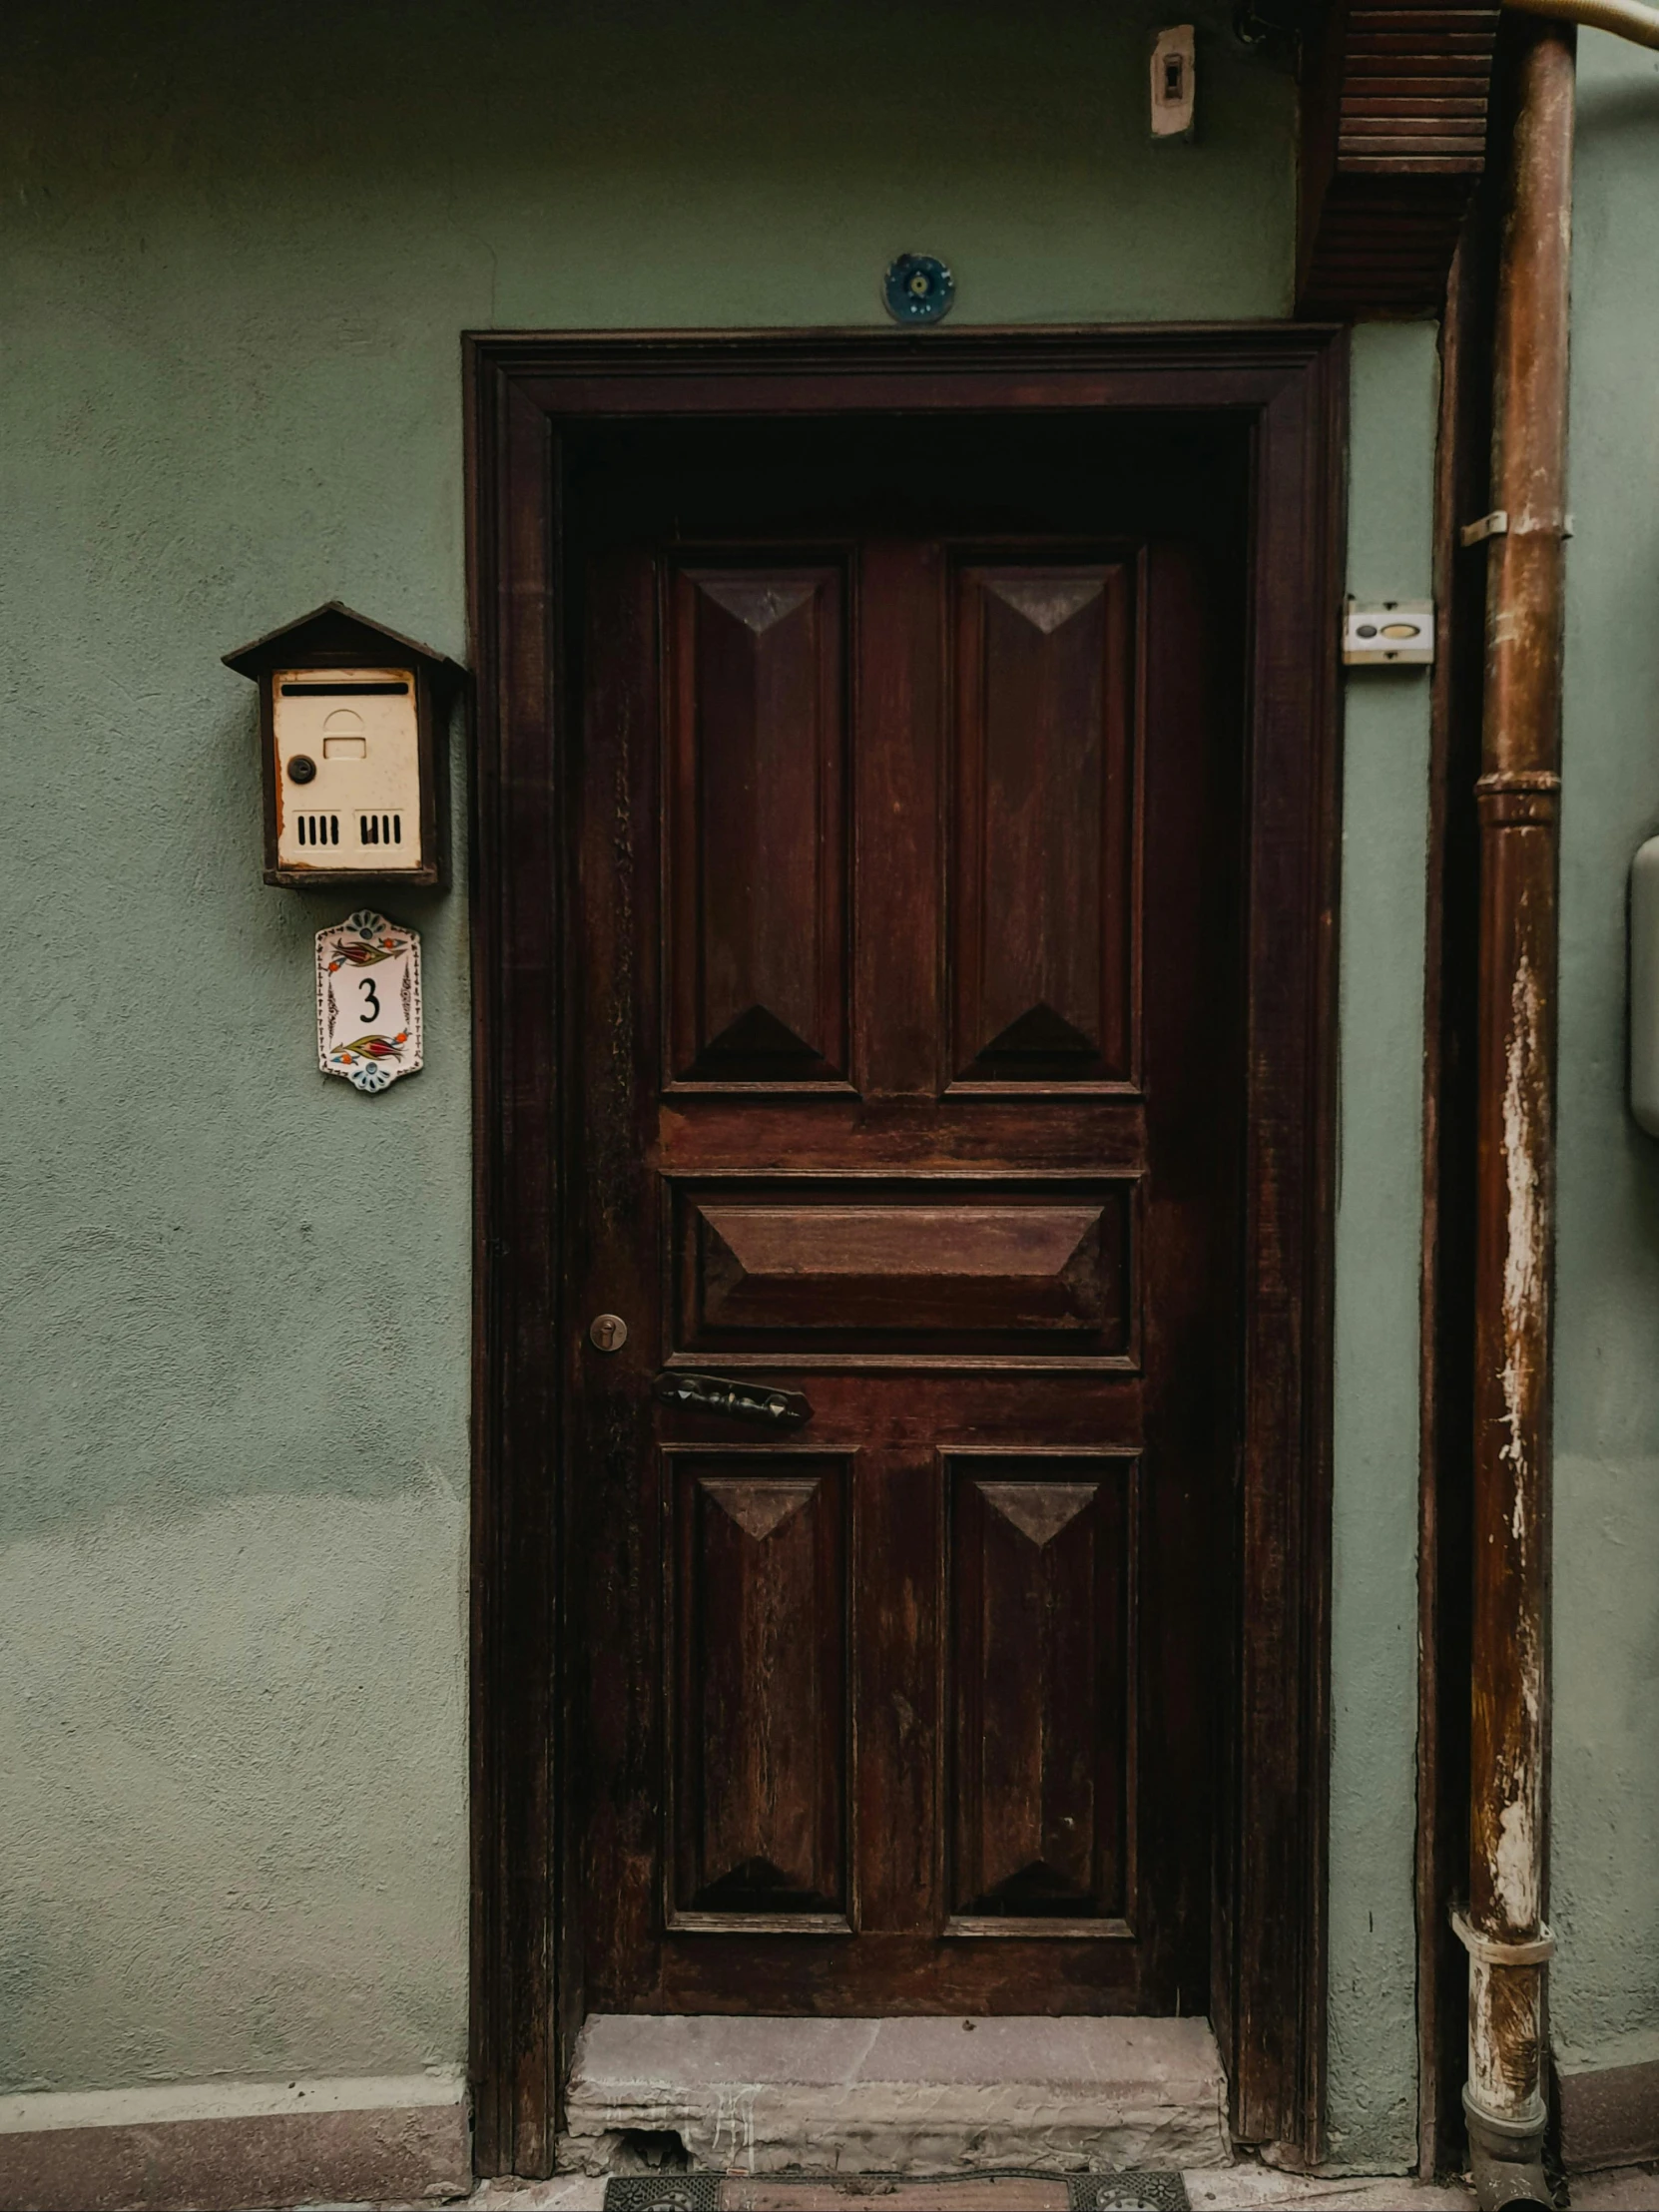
1172,77
608,1332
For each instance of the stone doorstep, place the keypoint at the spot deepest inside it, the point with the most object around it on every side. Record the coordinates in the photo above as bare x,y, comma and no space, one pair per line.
920,2095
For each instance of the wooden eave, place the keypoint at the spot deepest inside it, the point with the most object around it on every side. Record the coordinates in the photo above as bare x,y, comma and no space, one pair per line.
1394,138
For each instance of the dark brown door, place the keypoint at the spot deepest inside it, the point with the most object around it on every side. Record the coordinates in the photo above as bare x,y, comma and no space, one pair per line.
902,911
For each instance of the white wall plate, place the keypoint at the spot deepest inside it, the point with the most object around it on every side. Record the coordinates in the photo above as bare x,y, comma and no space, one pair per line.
1388,632
368,1026
1174,75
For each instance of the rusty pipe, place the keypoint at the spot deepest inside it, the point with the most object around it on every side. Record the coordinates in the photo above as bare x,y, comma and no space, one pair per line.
1518,800
1624,18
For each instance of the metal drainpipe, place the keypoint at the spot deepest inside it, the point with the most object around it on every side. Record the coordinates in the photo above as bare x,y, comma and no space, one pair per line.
1518,796
1629,19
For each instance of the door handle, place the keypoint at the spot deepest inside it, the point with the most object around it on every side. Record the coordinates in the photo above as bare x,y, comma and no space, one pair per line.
713,1394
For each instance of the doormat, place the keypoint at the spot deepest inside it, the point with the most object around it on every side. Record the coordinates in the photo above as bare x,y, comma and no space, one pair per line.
1129,2190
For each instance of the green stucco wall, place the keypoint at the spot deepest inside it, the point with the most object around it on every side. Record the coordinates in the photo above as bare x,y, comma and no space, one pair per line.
241,246
1606,1847
1373,1723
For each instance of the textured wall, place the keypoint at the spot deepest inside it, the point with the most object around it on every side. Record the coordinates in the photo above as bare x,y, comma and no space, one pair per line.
241,244
1605,1851
1374,1722
234,1295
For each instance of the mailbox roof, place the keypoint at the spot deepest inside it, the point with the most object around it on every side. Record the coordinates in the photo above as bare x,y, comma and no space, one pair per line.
332,633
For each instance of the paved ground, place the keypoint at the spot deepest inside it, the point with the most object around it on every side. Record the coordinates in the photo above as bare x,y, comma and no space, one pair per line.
1630,2189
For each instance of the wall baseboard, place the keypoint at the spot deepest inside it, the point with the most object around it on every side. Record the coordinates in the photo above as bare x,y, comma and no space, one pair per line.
1609,2115
218,2145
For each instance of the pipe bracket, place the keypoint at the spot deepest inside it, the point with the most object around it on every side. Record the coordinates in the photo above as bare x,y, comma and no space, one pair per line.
1536,1950
1499,525
1495,525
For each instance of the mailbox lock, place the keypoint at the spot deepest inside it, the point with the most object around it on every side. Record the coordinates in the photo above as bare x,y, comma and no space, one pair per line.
302,768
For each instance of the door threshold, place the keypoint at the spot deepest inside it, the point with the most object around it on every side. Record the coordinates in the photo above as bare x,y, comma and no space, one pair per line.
918,2095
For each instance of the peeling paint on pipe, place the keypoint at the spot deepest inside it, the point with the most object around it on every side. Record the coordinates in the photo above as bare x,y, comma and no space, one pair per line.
1518,796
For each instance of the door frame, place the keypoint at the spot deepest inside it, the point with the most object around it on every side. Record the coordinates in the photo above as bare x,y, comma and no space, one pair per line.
1285,385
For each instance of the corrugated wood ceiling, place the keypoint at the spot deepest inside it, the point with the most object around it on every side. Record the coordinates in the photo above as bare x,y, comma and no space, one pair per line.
1394,106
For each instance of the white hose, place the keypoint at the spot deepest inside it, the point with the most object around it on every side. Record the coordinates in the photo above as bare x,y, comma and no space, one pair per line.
1624,18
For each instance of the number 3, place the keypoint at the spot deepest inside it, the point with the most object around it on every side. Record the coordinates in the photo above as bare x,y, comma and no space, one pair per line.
372,1011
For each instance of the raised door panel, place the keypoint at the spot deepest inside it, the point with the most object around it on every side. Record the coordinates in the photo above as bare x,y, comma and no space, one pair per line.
1040,1571
757,1697
756,914
859,1270
1043,875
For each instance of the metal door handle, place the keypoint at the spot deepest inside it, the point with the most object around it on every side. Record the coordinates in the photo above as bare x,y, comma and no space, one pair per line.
713,1394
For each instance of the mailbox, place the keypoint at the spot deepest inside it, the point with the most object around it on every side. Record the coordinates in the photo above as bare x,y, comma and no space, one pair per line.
352,722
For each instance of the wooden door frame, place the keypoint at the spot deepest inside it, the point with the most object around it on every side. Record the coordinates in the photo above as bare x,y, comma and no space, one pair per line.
1285,386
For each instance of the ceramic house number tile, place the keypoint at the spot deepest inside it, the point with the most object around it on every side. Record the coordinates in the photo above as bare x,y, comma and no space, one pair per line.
368,1001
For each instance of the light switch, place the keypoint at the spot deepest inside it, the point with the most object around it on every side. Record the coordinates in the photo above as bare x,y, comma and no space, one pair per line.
1173,82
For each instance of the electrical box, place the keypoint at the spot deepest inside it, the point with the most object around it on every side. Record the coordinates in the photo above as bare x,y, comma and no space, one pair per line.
1645,986
352,722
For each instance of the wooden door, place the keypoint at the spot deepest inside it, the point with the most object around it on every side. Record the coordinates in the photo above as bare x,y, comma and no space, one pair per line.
902,1016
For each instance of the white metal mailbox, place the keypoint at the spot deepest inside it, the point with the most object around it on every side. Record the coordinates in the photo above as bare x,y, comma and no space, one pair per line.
350,715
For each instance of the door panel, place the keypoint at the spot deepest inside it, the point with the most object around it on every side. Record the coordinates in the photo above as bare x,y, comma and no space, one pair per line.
888,792
757,940
1040,1567
1042,873
849,1270
758,1698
